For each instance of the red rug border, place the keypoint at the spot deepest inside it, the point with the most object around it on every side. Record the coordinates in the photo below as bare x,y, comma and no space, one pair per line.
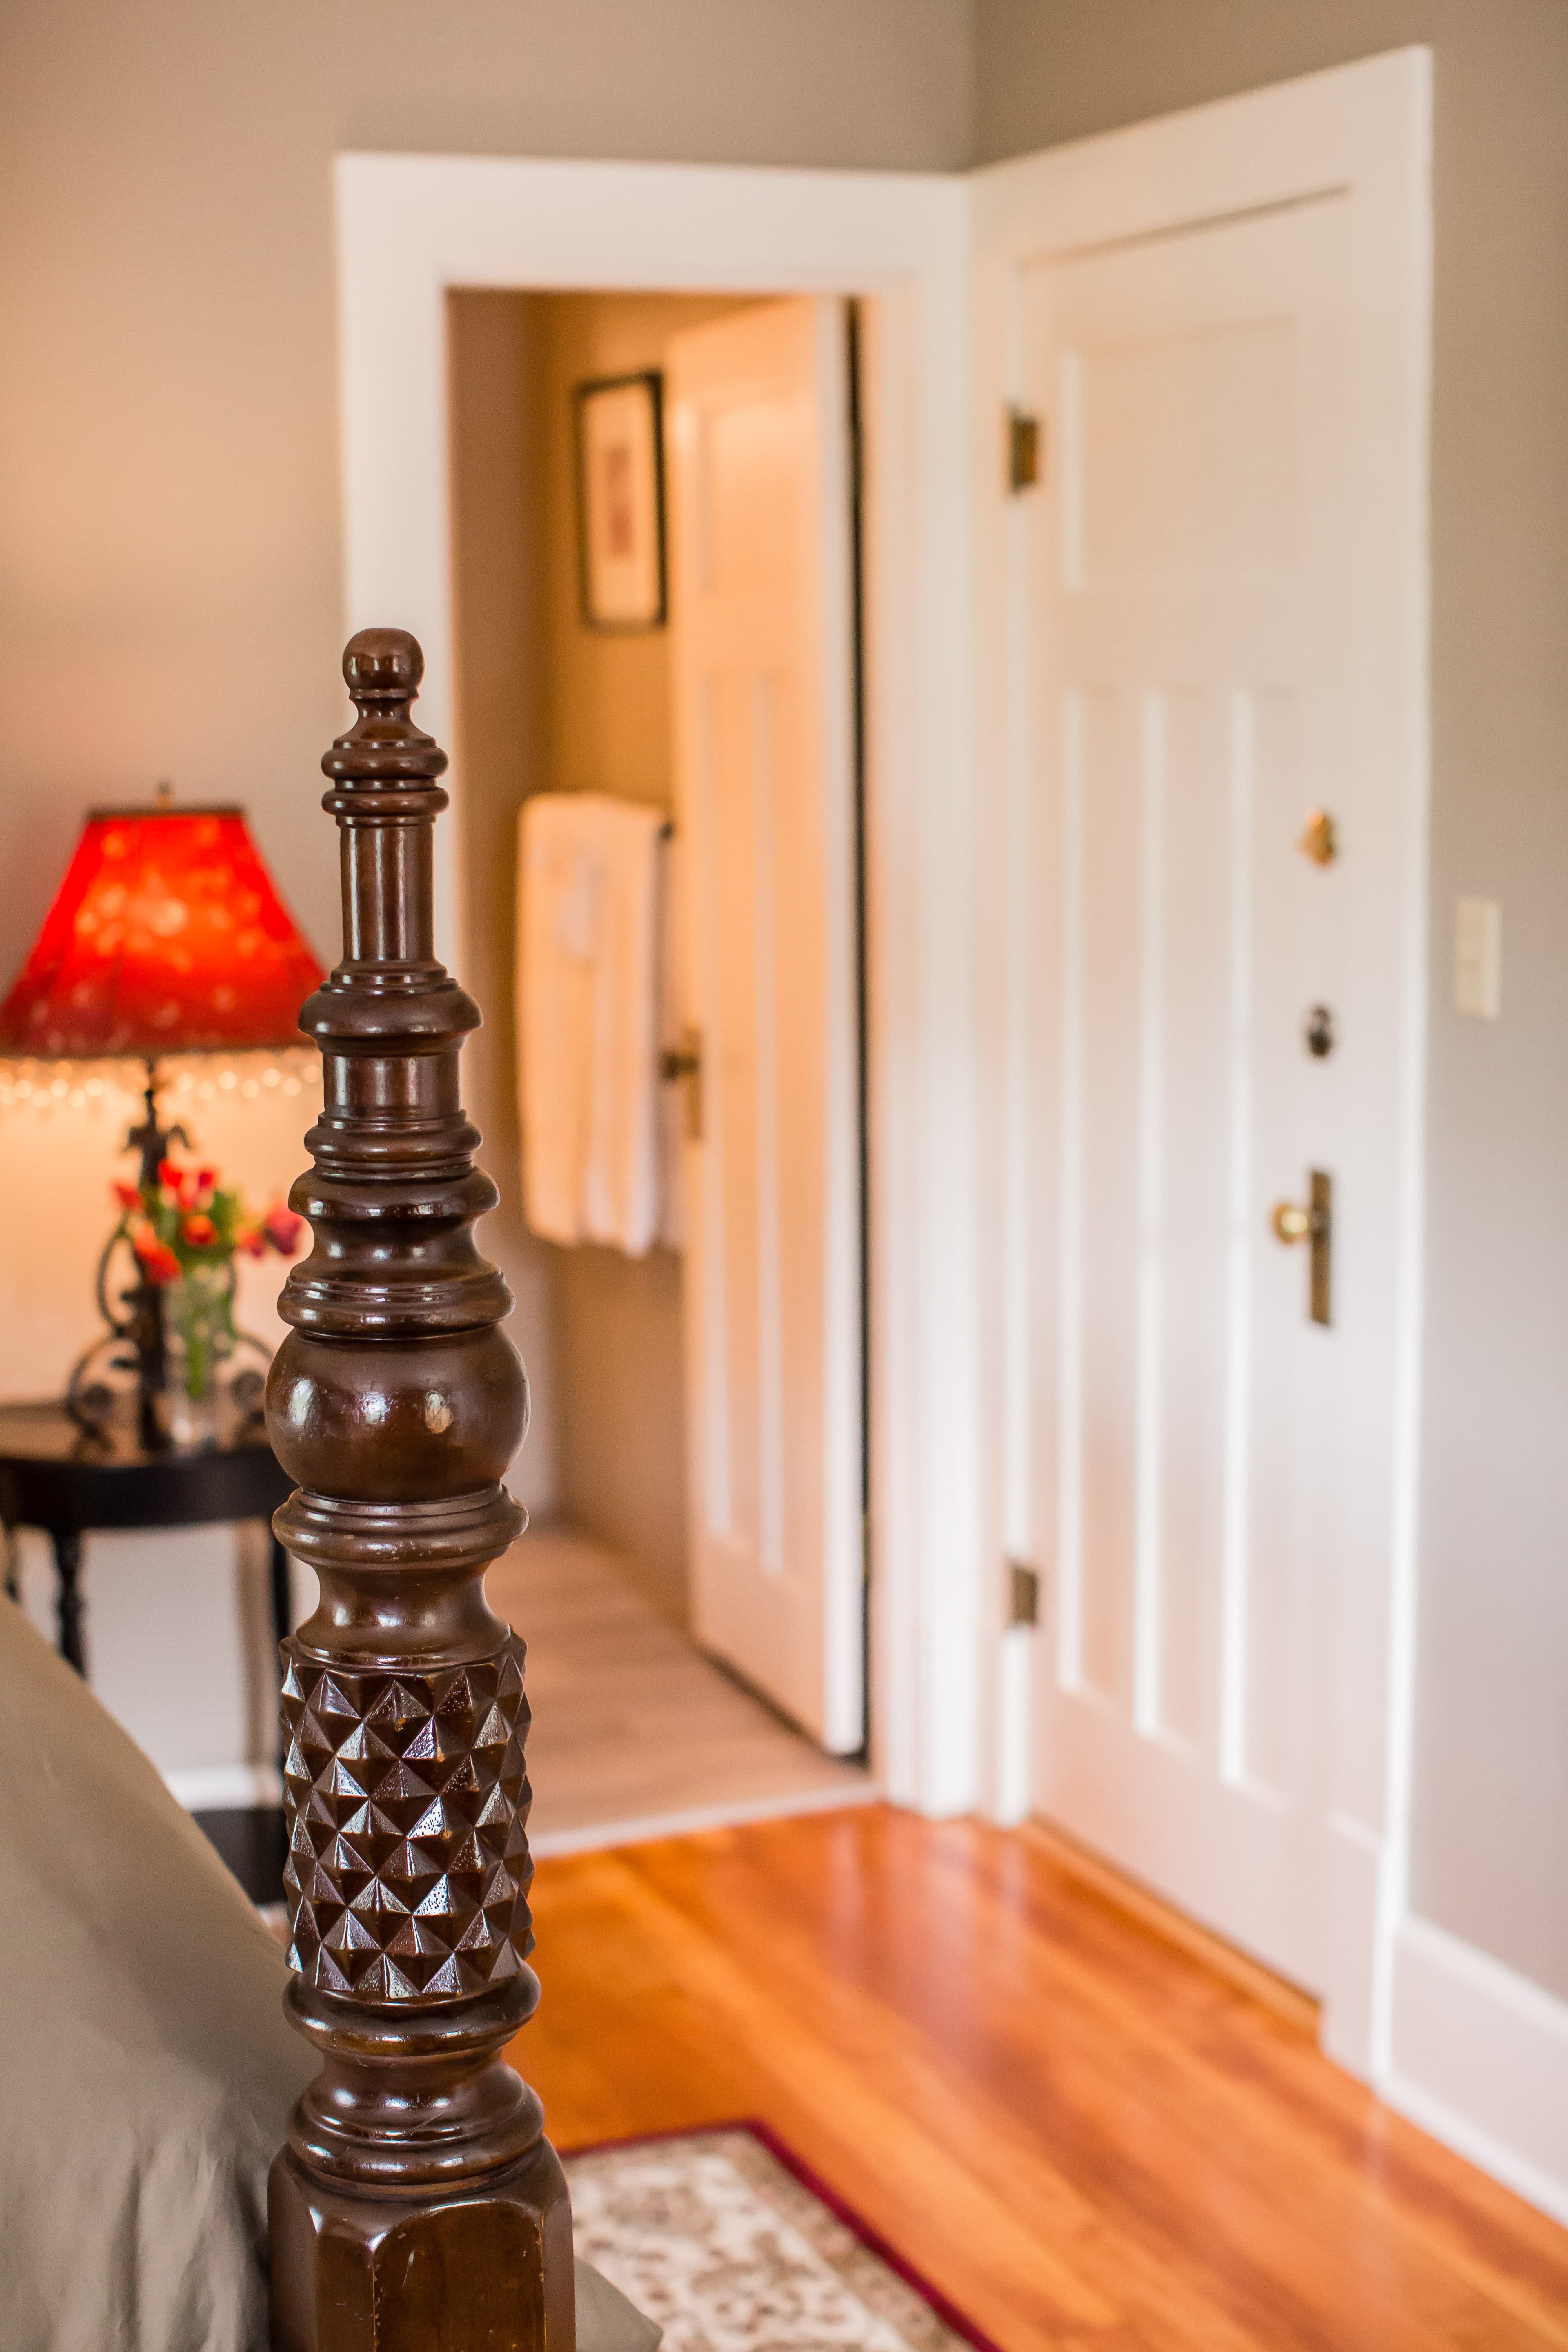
825,2194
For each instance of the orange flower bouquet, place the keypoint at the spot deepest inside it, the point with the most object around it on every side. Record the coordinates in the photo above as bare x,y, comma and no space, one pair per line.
185,1232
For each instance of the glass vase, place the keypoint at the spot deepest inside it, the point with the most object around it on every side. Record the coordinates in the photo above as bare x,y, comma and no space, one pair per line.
196,1338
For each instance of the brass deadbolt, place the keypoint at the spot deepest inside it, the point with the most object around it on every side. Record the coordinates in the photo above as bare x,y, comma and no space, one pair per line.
1311,1221
1320,838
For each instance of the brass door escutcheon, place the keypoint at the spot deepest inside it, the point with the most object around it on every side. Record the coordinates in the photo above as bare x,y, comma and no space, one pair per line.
1320,838
1318,1033
1315,1225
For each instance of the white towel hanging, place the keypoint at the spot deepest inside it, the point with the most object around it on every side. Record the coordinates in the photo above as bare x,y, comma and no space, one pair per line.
588,1015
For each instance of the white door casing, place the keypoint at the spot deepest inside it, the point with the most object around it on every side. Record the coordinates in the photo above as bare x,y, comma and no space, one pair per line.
761,655
412,227
1208,616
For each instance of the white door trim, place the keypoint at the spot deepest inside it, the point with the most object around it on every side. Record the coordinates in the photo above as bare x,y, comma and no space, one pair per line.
411,227
1362,131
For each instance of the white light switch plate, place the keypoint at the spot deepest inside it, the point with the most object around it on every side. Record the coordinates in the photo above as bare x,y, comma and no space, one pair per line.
1477,958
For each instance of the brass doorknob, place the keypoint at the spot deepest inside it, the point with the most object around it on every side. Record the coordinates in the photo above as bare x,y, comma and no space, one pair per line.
1290,1221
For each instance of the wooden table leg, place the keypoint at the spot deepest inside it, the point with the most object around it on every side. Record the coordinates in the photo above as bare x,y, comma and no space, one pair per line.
72,1645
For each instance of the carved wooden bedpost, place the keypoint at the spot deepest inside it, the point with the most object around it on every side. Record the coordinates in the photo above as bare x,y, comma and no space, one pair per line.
417,2206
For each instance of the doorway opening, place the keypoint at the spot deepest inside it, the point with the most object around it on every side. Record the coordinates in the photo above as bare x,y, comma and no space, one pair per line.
671,1563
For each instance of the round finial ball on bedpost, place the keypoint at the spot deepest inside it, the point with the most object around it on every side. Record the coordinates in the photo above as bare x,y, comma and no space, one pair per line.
382,670
383,665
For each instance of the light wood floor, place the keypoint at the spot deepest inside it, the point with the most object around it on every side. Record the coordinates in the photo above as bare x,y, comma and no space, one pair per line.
1084,2133
634,1732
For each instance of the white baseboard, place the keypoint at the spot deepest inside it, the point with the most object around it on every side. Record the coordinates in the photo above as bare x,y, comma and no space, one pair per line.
220,1787
1479,2059
225,1788
1353,1859
1014,1727
833,1798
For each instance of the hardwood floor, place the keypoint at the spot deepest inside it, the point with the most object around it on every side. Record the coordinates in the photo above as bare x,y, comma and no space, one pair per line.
1082,2131
634,1729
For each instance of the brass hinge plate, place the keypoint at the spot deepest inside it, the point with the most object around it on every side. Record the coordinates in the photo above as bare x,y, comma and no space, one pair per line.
1026,442
1024,1593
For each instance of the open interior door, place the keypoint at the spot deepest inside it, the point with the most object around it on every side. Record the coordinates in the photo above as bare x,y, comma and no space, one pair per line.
761,616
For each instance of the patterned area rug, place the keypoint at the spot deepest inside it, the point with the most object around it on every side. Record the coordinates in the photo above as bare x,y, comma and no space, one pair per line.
727,2241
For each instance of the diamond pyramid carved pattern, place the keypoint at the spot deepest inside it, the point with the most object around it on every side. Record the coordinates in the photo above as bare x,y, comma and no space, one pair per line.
407,1802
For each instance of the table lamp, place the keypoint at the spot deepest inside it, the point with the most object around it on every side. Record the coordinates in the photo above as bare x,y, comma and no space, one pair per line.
166,936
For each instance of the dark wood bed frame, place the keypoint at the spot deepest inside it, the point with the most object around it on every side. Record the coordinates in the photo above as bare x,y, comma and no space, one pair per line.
417,2206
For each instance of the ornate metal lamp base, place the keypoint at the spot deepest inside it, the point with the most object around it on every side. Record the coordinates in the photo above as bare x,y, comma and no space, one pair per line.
136,1340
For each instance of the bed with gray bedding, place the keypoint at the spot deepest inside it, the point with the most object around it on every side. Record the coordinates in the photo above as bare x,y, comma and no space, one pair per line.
146,2070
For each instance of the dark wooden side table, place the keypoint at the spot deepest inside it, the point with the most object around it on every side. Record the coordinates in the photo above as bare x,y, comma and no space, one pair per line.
55,1477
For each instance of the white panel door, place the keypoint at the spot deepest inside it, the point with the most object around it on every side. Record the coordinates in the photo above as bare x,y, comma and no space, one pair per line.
763,647
1196,1444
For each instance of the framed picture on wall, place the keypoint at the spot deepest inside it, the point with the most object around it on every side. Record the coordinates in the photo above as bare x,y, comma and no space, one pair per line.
620,502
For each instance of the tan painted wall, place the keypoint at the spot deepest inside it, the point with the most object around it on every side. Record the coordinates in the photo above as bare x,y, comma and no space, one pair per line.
170,582
498,544
1492,1783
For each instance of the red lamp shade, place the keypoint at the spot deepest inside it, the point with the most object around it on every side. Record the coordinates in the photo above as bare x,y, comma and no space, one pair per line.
166,936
